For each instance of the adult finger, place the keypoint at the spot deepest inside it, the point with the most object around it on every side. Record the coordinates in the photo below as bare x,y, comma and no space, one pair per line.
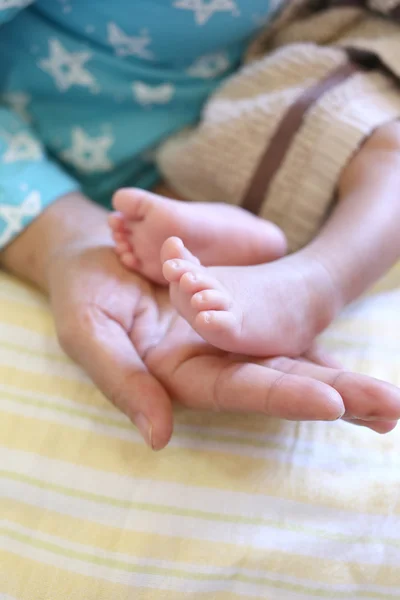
215,382
321,357
102,347
365,398
377,426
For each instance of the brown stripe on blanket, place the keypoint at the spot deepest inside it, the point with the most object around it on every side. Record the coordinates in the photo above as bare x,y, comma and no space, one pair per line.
275,153
326,4
395,12
348,3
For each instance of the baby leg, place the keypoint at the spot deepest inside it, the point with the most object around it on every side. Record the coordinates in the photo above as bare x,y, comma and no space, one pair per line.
279,308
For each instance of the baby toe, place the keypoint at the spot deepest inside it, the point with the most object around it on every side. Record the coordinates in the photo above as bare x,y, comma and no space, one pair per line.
174,269
217,322
119,237
129,260
116,221
123,248
132,203
198,280
211,299
174,248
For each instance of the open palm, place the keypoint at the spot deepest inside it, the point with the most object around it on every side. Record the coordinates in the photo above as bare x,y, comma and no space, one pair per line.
124,332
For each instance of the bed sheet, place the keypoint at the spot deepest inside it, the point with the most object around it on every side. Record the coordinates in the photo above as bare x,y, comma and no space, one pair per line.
237,507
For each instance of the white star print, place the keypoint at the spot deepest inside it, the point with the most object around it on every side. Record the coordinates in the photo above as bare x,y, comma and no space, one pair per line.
124,45
209,66
204,9
5,4
67,67
22,146
13,215
153,94
89,154
19,103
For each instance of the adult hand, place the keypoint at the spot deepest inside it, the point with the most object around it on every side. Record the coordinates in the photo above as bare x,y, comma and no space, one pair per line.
141,354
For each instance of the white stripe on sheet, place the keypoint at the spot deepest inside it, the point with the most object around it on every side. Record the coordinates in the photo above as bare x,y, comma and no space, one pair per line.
40,364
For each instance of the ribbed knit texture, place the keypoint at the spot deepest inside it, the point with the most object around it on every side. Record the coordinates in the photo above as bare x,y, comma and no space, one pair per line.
216,161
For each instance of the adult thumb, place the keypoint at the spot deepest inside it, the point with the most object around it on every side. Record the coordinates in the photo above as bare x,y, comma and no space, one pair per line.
108,356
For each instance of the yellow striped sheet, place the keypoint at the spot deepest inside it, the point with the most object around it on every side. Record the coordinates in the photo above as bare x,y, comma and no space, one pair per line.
33,319
239,507
64,584
218,470
163,548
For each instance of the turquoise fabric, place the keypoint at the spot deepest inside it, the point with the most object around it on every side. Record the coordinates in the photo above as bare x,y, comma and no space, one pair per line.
89,89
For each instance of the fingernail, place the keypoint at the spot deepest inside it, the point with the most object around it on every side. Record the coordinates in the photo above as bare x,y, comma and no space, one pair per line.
145,428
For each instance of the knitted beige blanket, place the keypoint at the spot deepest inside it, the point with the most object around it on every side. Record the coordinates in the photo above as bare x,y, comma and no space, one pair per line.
276,136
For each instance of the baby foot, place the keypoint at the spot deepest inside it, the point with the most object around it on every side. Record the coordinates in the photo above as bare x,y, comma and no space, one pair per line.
218,233
264,310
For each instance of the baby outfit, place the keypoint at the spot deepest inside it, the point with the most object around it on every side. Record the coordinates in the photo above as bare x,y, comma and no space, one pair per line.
276,136
89,89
